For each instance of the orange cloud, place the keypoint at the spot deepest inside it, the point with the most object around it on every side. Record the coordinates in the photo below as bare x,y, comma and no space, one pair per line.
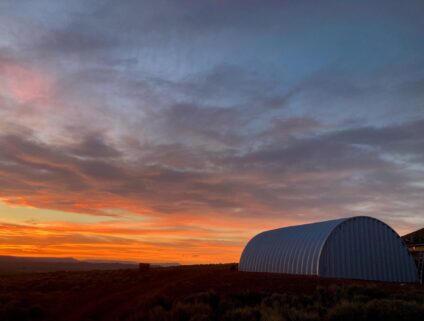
123,243
186,239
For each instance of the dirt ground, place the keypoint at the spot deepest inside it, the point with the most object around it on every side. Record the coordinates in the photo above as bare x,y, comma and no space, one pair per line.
107,295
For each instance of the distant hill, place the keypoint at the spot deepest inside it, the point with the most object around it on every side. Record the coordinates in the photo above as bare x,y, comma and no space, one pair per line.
13,264
414,237
162,264
17,264
170,264
8,258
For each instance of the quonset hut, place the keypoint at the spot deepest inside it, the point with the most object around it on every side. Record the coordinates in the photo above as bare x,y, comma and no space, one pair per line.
355,248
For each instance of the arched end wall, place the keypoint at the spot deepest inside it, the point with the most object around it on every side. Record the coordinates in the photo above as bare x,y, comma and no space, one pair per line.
366,248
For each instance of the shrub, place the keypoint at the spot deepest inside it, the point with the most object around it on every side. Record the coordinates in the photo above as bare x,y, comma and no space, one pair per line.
346,311
271,314
191,311
377,310
158,313
336,303
301,315
394,310
246,313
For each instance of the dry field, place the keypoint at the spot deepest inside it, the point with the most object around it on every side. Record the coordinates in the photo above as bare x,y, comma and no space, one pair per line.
162,293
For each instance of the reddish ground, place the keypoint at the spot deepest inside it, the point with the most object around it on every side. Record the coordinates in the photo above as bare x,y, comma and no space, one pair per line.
107,295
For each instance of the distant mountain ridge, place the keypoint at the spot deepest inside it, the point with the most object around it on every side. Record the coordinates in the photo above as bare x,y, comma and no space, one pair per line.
16,264
20,264
9,258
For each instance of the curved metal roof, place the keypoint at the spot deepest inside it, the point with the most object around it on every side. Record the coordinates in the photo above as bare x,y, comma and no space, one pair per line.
357,247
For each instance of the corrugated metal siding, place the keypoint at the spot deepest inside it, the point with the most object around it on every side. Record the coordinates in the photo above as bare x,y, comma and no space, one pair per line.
358,247
366,248
293,249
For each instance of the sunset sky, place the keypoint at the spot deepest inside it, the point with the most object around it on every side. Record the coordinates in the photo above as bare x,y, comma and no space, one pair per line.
175,130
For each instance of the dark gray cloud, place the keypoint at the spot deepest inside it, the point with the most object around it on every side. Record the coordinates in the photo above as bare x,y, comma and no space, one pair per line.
94,146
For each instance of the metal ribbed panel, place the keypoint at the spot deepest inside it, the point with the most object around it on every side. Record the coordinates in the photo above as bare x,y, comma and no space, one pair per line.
373,249
292,249
358,247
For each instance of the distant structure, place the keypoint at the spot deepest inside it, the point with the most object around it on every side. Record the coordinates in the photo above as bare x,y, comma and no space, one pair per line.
143,267
415,243
355,248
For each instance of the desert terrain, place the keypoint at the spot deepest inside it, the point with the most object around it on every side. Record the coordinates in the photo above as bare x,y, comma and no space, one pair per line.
205,292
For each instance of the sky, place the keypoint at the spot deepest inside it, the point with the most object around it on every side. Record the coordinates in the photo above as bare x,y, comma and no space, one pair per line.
175,130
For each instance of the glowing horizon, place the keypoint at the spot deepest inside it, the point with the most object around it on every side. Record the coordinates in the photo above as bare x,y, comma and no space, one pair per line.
90,238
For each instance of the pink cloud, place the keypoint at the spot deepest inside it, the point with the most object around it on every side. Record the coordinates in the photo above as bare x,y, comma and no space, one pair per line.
25,84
